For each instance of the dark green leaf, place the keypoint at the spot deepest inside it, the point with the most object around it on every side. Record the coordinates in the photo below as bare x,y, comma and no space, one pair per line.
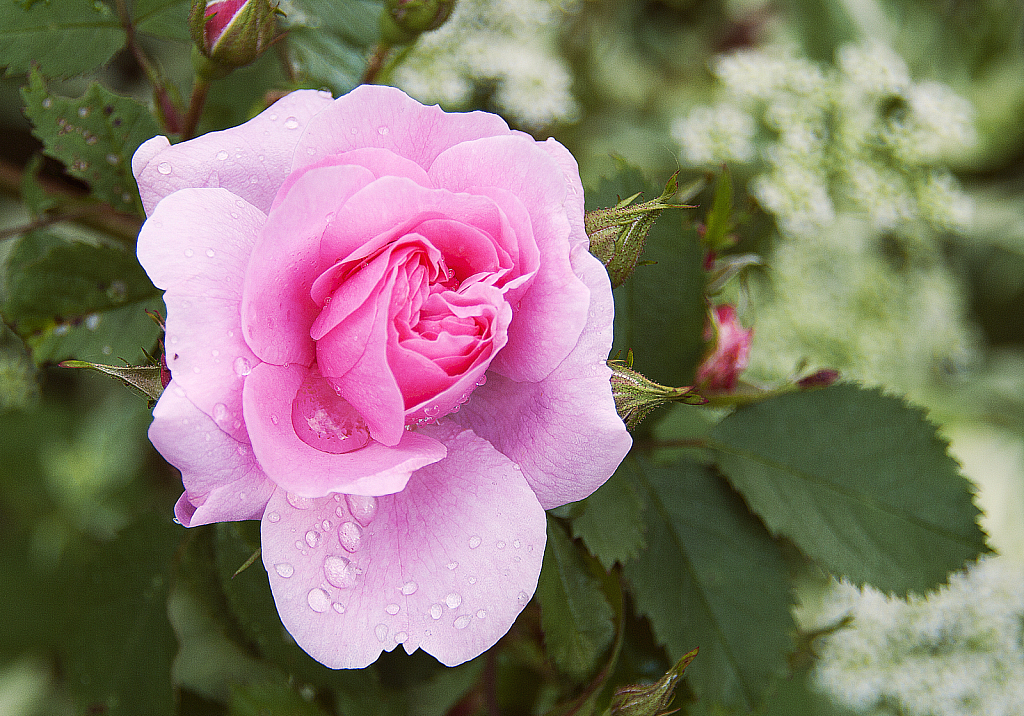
77,300
94,135
575,616
119,644
332,40
719,218
162,18
437,694
610,523
18,386
859,480
268,698
61,38
711,578
37,201
659,309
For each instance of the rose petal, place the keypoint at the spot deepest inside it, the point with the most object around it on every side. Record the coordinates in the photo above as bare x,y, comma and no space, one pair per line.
549,317
574,198
299,468
563,430
277,311
222,479
196,245
251,160
378,116
446,565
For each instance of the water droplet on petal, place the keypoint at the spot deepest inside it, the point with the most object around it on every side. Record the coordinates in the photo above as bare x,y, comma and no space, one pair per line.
435,611
452,565
392,609
474,541
326,525
222,155
522,599
471,579
274,420
326,421
453,600
481,614
313,539
383,130
501,544
381,632
220,413
516,543
318,600
284,569
299,502
401,636
340,608
349,534
409,588
362,507
210,253
291,123
274,517
339,571
164,168
242,366
189,253
463,621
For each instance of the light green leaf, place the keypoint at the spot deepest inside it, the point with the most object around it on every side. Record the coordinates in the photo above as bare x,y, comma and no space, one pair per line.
610,523
711,578
36,200
332,40
62,39
263,698
95,136
18,386
575,616
719,218
859,480
144,378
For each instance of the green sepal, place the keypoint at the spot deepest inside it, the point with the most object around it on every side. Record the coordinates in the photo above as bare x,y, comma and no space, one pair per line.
144,378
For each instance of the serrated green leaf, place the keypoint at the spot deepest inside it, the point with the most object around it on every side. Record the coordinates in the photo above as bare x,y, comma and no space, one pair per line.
266,698
119,644
712,578
332,40
859,480
144,378
94,135
575,616
18,386
659,309
610,523
77,300
62,39
36,200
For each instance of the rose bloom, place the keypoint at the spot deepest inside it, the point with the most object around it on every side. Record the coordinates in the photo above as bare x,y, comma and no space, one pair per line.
387,342
720,370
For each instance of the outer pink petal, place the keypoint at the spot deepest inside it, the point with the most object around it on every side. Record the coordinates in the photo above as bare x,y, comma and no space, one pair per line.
564,430
446,565
222,479
552,312
306,471
196,245
574,199
277,311
378,116
251,160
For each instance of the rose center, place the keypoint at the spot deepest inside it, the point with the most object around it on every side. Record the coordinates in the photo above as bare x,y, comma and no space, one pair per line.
324,420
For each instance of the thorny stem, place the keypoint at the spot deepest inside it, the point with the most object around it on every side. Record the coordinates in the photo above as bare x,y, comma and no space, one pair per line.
147,65
375,63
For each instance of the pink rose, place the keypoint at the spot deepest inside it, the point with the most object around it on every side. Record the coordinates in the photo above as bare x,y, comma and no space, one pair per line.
387,341
731,354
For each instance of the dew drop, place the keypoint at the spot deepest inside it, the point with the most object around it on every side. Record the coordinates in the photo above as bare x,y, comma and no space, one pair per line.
433,411
299,545
113,159
463,621
453,600
501,544
339,571
299,502
381,632
324,420
522,598
313,539
349,534
189,253
340,608
291,123
274,517
452,565
222,155
409,588
274,419
83,112
210,253
220,414
318,600
481,614
273,118
471,579
401,636
383,131
164,168
47,103
474,541
362,507
435,611
284,569
242,366
326,525
92,321
392,609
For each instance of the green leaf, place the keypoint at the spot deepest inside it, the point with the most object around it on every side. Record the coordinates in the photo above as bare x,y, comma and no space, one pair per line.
94,135
18,386
659,309
162,18
711,578
610,524
332,40
859,480
62,39
77,300
719,218
575,616
37,201
119,644
144,378
266,698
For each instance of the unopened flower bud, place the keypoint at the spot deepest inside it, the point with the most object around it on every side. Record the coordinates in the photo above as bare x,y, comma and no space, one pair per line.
636,396
405,20
719,371
618,234
650,699
233,33
819,379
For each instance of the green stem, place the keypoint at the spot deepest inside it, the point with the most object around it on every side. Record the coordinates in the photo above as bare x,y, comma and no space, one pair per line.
195,106
375,63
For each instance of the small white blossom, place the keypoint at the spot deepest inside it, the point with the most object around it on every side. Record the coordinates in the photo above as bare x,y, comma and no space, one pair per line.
712,135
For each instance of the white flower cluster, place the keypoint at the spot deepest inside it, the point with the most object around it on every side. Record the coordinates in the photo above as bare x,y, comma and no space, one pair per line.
958,652
860,137
510,45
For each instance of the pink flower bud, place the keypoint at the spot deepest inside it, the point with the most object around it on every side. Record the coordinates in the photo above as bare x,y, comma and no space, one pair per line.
731,352
232,32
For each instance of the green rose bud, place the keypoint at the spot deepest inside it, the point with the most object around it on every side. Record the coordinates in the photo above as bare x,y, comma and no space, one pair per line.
404,20
233,33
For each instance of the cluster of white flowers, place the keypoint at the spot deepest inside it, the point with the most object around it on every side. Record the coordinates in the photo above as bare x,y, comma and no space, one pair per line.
958,652
508,45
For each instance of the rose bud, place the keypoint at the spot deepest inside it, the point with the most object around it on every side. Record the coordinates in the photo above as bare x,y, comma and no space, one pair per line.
233,33
404,20
387,341
730,355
